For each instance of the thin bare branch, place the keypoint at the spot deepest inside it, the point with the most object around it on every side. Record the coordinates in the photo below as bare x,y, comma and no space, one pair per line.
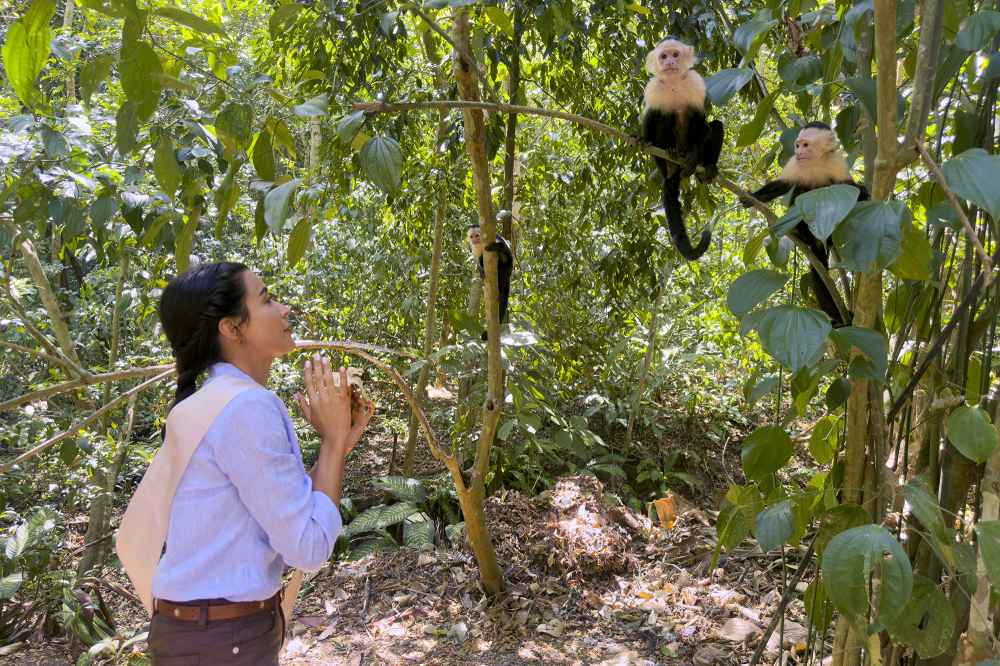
957,207
348,345
89,380
54,360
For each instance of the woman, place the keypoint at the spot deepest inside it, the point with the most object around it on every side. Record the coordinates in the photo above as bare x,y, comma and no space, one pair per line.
244,507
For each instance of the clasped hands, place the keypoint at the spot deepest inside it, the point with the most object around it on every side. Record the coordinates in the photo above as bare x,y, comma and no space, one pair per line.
331,406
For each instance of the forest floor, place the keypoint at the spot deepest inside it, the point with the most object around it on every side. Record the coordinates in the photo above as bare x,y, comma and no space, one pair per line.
588,582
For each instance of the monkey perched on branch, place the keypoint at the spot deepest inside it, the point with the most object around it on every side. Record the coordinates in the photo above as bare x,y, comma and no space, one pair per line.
505,265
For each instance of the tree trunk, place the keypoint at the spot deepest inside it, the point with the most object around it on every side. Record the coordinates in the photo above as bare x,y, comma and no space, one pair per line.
70,66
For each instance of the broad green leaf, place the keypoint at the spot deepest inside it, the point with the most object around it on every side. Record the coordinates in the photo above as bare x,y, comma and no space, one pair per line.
925,507
765,451
184,242
786,223
916,255
838,393
823,440
277,203
988,533
864,89
152,234
747,35
226,196
972,433
418,530
9,585
871,343
259,222
802,71
234,125
349,125
190,20
871,236
102,210
139,69
379,517
379,543
775,525
281,135
753,288
927,622
793,335
312,108
727,82
168,174
382,160
263,156
850,560
298,240
500,20
388,22
818,608
736,517
26,48
765,386
974,175
92,73
126,128
750,132
403,488
753,248
282,15
55,143
977,30
824,208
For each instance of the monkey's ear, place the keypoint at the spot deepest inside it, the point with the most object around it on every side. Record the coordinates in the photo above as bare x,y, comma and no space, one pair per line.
651,61
689,55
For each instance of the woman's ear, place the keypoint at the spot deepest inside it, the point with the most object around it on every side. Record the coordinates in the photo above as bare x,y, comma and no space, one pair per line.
229,329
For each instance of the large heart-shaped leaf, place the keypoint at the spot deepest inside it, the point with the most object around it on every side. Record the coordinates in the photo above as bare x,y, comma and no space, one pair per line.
765,451
313,107
793,335
977,30
26,48
974,175
753,288
727,82
824,208
927,622
382,160
850,560
972,433
140,70
871,343
775,525
277,203
916,255
871,236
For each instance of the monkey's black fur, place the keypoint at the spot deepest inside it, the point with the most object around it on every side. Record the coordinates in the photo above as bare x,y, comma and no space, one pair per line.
505,266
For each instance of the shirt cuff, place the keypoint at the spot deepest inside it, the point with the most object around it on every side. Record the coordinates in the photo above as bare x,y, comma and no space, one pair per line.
327,515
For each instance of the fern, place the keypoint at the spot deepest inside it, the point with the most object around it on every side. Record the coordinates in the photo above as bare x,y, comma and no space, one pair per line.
403,489
379,517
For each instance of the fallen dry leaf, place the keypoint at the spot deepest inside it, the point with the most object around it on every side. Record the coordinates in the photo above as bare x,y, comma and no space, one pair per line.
739,630
710,655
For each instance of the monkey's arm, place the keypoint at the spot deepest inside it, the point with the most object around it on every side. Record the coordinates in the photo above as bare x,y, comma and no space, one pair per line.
769,192
500,246
863,195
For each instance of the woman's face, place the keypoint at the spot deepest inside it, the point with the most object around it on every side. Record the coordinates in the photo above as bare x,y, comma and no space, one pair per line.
267,331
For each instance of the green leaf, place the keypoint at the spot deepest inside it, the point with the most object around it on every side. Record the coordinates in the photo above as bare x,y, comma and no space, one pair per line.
380,543
92,73
126,128
824,208
382,160
927,622
277,204
972,433
140,69
313,108
823,440
235,127
753,247
500,20
283,15
184,242
837,520
402,488
977,31
765,451
775,525
750,132
765,386
348,126
26,48
736,517
418,530
793,335
282,135
9,585
190,20
871,235
748,35
168,174
226,196
388,22
263,156
152,233
838,393
850,560
988,533
259,222
753,288
727,82
102,210
925,507
864,89
974,380
914,261
785,224
379,517
802,71
298,240
973,175
871,343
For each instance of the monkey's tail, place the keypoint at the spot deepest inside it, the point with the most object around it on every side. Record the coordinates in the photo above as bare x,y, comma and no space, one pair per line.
675,221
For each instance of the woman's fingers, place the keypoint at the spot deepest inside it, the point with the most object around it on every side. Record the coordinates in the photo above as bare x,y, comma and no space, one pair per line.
308,380
344,386
304,406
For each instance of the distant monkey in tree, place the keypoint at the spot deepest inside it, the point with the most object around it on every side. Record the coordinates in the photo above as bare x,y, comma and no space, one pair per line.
505,265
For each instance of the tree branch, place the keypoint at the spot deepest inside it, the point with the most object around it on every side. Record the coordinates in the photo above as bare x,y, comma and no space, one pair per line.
921,97
108,377
55,360
957,207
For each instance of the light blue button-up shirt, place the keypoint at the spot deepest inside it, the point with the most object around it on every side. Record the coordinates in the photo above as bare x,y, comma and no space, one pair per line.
244,507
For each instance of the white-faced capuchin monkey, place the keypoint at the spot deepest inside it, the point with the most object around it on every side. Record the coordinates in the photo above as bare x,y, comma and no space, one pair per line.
505,265
673,118
817,163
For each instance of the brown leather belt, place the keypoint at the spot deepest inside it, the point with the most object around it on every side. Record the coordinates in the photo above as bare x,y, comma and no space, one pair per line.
228,611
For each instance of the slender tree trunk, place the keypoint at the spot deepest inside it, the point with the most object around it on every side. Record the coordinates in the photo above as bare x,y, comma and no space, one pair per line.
56,319
70,66
442,343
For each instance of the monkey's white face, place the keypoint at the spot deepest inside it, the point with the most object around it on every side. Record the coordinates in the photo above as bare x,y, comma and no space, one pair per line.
812,144
475,241
670,57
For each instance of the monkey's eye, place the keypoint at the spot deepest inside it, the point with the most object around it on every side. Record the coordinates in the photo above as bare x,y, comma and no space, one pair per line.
677,54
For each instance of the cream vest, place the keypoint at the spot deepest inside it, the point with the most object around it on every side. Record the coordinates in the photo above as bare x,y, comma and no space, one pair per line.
143,529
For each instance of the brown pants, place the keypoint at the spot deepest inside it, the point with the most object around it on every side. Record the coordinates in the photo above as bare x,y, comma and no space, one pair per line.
252,640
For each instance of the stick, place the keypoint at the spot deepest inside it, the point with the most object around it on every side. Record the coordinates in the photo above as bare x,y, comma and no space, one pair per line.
87,380
347,345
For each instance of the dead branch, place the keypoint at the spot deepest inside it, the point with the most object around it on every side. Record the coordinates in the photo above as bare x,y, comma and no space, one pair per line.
87,380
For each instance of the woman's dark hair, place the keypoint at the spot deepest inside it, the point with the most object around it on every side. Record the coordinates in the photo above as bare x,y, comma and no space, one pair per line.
190,310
